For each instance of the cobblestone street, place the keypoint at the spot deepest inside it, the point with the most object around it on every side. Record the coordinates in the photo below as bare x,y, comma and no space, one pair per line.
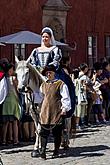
91,147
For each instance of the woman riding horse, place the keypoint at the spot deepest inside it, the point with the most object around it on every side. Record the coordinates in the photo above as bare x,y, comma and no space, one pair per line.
48,53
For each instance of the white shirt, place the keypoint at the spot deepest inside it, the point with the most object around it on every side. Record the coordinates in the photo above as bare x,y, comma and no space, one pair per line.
65,100
3,90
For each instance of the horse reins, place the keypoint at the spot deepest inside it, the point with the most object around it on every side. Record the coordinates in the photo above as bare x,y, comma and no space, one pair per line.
59,118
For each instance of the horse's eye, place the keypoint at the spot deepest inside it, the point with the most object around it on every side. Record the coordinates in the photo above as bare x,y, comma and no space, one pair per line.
26,74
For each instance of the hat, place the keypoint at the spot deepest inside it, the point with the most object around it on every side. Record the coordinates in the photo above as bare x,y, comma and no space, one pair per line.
48,68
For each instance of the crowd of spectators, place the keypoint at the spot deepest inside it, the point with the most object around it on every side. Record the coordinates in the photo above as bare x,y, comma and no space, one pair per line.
93,94
92,88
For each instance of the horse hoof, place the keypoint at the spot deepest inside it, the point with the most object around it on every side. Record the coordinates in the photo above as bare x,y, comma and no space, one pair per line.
35,153
43,156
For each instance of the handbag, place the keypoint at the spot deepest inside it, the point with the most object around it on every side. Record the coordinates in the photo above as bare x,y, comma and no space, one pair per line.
92,96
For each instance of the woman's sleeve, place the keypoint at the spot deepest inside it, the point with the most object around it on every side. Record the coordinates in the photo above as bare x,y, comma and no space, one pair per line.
57,57
33,59
65,100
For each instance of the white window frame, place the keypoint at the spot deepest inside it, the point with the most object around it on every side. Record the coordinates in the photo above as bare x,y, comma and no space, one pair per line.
92,49
107,45
19,50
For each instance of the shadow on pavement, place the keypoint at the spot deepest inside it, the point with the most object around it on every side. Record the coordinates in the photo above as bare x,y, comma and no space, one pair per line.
16,151
11,146
86,151
84,132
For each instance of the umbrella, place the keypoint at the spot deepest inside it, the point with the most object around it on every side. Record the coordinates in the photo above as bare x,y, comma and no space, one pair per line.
2,44
24,37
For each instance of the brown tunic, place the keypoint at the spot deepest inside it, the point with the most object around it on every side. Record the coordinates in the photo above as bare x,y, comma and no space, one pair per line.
51,106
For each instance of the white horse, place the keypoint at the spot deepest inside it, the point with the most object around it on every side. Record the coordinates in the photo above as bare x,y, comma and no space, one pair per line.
29,77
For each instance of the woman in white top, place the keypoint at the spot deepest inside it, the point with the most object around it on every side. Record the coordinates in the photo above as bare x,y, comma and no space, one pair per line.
48,53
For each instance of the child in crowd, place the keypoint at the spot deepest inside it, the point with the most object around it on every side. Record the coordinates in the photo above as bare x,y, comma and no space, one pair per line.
80,85
97,105
11,109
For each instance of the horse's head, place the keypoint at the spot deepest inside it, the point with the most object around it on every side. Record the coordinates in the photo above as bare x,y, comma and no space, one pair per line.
22,71
27,75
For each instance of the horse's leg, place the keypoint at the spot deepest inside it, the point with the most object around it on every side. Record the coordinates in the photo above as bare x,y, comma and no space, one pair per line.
66,133
37,128
37,144
31,130
26,123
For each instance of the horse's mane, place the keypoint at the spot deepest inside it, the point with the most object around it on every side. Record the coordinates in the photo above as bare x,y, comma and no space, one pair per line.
34,73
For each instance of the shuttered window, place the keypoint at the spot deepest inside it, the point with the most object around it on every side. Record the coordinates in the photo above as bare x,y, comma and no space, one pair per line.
92,49
19,50
107,46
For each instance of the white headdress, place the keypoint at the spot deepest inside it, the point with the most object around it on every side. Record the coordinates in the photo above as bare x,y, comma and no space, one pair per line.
52,41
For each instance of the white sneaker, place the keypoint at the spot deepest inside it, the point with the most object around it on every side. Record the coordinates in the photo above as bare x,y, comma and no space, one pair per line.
78,128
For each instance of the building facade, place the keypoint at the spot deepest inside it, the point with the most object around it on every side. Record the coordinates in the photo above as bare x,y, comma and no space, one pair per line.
83,24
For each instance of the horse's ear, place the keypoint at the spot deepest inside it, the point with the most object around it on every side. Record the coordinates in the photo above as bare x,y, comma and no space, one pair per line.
31,55
16,59
28,60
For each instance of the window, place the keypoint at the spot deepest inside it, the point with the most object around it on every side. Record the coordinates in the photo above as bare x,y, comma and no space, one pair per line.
107,46
92,50
19,50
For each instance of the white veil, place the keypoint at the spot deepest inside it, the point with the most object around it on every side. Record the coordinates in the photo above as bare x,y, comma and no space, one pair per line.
52,41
